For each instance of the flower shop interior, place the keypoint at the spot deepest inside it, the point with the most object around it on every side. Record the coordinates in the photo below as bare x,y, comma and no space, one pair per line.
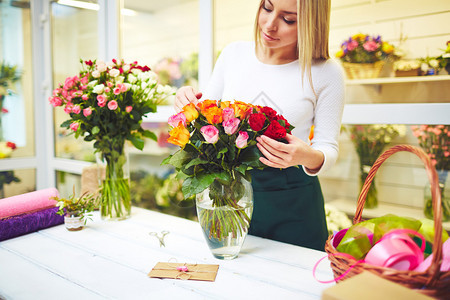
407,101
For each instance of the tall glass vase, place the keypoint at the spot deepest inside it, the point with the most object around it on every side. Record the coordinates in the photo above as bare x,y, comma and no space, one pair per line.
372,194
224,212
445,198
115,196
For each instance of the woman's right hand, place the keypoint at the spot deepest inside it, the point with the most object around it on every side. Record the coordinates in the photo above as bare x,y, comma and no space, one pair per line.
184,96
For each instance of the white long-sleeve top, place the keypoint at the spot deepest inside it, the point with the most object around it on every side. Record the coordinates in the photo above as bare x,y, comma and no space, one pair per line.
239,75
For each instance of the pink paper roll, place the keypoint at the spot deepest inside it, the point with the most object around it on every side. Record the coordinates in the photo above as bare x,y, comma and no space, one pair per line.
26,203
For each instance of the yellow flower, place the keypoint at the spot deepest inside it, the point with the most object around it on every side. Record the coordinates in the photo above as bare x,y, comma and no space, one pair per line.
359,37
241,109
340,53
190,112
387,48
225,104
179,136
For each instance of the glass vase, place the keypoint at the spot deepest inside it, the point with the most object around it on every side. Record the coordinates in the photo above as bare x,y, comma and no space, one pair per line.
224,212
445,198
115,199
372,193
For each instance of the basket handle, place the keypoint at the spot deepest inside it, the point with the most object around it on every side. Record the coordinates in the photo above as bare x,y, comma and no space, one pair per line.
435,266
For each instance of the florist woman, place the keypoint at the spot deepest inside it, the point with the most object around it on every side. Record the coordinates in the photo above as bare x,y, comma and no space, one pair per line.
287,68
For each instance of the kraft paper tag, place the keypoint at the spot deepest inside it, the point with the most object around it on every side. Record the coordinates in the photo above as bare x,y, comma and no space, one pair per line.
184,271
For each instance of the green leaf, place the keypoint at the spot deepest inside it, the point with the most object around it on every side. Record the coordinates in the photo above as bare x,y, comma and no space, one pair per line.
179,158
166,160
66,123
194,185
242,168
150,135
137,142
196,161
95,130
250,157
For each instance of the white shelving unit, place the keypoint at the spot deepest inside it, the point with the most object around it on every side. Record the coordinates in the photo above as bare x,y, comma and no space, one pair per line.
389,80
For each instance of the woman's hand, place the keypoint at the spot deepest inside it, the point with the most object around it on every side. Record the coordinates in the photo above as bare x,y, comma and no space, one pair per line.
296,152
184,96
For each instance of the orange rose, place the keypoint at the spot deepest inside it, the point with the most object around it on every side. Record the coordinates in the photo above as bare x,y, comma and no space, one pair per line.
206,104
213,115
179,136
242,109
225,104
190,112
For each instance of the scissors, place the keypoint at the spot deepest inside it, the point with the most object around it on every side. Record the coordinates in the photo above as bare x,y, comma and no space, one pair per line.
160,237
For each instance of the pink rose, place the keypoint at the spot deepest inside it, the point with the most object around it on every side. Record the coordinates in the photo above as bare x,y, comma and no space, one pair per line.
112,105
70,82
68,108
85,97
176,119
107,89
227,113
76,109
241,140
84,80
56,101
230,126
116,91
87,111
129,108
210,133
74,126
123,88
109,84
370,46
352,45
101,100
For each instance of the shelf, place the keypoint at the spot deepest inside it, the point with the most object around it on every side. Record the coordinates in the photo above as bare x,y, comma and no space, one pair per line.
349,208
389,80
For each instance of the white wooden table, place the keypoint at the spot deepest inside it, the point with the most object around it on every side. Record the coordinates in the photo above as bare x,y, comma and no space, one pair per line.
112,259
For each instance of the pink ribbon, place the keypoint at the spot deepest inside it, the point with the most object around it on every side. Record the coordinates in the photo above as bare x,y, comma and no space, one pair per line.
397,250
394,250
445,265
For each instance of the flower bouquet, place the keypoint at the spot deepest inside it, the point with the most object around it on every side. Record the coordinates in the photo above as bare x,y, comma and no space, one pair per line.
435,141
8,77
106,103
369,142
6,177
363,56
218,150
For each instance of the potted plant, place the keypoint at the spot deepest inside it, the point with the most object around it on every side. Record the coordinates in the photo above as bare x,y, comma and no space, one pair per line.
444,58
363,56
76,210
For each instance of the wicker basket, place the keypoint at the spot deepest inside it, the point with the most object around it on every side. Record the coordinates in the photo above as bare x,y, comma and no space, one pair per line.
431,282
362,71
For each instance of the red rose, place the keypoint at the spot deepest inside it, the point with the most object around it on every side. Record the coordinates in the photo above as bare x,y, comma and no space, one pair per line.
275,131
11,145
256,121
286,123
269,112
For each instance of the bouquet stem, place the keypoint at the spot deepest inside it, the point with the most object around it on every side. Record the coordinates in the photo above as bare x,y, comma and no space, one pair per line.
224,213
115,189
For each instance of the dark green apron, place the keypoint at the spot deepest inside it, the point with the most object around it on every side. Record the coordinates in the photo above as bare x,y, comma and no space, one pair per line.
288,207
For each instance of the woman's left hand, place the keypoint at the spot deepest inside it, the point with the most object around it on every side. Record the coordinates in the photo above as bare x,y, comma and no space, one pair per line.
296,152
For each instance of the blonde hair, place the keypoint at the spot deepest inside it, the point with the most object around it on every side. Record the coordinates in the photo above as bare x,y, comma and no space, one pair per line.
313,27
